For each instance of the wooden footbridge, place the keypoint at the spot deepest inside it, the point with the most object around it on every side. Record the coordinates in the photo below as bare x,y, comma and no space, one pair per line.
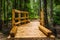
23,28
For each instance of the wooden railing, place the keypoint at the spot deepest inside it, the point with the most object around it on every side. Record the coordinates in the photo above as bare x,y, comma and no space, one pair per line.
18,18
42,18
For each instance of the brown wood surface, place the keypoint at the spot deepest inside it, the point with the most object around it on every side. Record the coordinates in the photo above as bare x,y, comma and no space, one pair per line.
29,30
45,30
52,36
42,18
18,11
17,23
13,31
19,17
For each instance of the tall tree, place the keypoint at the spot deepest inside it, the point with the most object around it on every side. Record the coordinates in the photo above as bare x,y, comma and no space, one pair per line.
51,12
45,13
0,14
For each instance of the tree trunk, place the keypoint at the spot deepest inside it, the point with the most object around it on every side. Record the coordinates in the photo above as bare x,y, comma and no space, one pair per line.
39,11
51,12
51,18
45,13
0,14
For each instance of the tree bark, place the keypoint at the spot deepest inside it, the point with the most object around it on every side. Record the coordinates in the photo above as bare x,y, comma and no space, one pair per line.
45,13
0,14
51,12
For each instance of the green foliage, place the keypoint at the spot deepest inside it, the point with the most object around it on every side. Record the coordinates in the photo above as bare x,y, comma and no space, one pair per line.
57,14
57,2
33,7
6,10
57,8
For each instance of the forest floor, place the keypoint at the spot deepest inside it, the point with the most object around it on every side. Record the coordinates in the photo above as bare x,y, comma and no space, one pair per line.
2,36
57,27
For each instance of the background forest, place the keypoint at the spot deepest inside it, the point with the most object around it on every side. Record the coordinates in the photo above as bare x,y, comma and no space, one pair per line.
32,6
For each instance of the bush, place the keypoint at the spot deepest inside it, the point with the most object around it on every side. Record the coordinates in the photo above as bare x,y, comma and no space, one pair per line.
57,15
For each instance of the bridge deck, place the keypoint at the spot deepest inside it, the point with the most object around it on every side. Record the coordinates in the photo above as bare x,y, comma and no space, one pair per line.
29,30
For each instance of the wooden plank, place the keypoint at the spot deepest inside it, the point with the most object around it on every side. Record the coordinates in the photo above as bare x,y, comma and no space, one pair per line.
52,36
18,11
13,31
24,12
17,22
23,17
29,30
17,18
45,30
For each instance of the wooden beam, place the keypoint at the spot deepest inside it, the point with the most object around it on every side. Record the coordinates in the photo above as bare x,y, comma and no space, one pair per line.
18,11
13,16
42,18
13,31
45,30
52,36
17,22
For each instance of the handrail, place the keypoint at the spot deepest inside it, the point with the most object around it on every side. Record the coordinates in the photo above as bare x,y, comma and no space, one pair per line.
20,11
